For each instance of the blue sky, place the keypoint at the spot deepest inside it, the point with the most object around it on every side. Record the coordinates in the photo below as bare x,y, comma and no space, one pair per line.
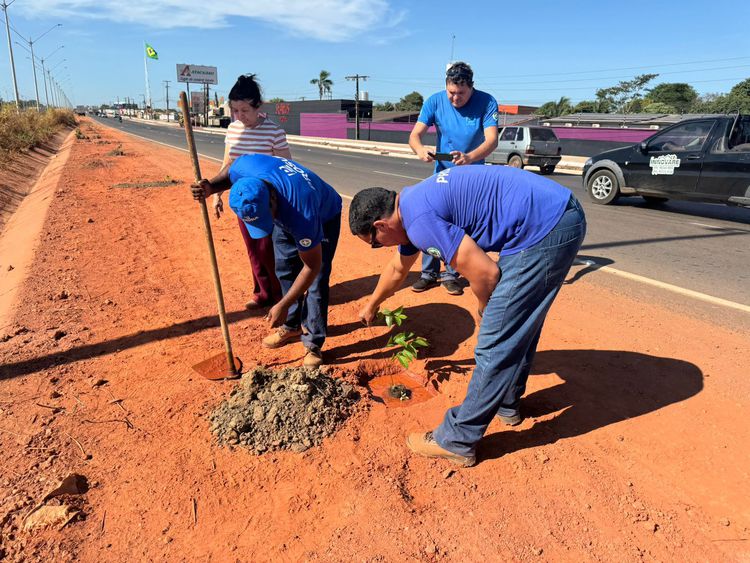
519,54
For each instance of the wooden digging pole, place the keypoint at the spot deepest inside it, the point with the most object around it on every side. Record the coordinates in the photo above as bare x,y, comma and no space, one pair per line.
231,368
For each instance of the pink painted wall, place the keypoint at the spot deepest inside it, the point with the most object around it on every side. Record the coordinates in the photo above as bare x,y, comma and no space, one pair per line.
603,134
330,125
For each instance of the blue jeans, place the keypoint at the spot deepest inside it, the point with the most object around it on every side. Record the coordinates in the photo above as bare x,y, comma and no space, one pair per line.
510,330
311,310
431,269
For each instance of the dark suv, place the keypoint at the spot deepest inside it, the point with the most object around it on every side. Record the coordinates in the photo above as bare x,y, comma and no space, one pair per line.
703,159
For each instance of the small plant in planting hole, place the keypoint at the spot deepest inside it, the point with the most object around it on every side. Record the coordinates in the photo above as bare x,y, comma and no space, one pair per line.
407,346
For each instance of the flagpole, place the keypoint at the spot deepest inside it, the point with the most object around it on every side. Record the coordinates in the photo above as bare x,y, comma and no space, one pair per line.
145,66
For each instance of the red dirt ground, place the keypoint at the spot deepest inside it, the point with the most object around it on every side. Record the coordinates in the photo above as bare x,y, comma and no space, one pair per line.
636,445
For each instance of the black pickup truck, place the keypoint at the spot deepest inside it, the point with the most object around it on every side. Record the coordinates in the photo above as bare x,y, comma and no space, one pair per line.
702,159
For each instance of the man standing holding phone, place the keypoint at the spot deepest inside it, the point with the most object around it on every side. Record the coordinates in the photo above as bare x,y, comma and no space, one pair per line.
466,124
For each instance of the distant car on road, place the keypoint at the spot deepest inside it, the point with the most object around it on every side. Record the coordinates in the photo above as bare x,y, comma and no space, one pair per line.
520,146
703,159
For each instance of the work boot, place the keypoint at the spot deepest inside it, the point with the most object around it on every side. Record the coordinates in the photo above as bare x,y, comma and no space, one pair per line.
453,287
280,337
313,358
423,284
512,420
422,443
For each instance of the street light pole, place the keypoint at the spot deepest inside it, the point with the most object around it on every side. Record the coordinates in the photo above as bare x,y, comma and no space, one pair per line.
5,6
356,79
31,47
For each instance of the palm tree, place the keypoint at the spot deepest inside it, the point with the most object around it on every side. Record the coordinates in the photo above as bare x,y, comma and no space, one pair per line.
323,82
562,107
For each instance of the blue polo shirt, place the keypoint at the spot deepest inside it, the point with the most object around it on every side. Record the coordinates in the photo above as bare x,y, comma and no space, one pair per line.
459,129
502,209
305,202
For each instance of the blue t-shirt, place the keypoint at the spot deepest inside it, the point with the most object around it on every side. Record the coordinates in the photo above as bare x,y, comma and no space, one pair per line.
502,209
459,129
305,202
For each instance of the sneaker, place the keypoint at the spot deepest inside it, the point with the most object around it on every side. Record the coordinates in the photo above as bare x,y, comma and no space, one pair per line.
513,420
280,337
453,287
422,443
423,284
313,358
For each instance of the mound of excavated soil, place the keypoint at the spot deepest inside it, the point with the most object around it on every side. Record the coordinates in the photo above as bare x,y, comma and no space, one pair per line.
288,409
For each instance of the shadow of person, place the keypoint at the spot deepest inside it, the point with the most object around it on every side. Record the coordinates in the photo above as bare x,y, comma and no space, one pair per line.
351,290
591,264
444,325
601,387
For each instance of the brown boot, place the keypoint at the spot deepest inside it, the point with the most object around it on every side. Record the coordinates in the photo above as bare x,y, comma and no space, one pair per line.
422,443
313,358
280,337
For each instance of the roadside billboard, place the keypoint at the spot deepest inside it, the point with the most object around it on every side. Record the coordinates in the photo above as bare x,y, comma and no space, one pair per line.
197,74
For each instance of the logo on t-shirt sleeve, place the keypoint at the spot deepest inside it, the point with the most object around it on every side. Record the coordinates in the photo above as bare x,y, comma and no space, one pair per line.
305,242
432,251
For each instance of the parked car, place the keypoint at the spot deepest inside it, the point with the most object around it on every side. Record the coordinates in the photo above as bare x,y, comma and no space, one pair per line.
702,159
520,146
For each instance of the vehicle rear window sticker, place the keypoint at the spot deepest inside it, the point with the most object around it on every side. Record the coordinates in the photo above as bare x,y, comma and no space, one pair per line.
664,164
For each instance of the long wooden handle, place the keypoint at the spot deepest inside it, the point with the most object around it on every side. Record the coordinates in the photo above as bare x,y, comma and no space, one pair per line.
209,237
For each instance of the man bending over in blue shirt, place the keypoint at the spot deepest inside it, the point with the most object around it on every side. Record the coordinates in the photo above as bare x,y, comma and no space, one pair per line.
457,216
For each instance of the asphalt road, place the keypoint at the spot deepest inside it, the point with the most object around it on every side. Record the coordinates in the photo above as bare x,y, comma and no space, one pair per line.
699,247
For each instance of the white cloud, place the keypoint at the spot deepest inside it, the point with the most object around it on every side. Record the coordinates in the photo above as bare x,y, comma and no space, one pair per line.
326,20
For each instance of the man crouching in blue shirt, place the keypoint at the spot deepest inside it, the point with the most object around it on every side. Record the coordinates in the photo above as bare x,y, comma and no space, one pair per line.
276,195
458,216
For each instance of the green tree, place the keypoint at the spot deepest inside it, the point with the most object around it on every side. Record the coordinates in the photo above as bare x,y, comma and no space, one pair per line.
410,102
622,97
556,109
592,106
658,107
385,106
276,100
678,95
323,82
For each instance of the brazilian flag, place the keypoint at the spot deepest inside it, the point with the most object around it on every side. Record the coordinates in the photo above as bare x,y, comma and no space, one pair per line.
151,52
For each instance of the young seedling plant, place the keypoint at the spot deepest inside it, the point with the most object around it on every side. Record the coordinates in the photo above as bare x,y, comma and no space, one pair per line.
407,346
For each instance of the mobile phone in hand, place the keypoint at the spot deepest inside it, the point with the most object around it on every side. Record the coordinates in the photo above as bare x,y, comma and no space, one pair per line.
441,155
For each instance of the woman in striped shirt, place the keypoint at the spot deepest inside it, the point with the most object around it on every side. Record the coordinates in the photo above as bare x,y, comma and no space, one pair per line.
252,132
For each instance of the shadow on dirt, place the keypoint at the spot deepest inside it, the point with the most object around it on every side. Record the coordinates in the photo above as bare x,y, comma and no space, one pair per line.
24,367
430,321
351,290
601,387
591,264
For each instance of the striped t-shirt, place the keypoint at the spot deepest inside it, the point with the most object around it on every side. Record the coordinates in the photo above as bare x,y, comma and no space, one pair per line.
261,139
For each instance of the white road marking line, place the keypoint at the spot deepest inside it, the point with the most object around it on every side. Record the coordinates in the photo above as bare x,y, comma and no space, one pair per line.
716,227
667,286
399,175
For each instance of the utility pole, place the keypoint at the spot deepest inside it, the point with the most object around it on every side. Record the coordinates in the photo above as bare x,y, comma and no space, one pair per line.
453,42
356,78
5,6
166,85
31,49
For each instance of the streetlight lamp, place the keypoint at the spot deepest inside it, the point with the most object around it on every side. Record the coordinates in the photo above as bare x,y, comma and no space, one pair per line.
31,48
5,6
